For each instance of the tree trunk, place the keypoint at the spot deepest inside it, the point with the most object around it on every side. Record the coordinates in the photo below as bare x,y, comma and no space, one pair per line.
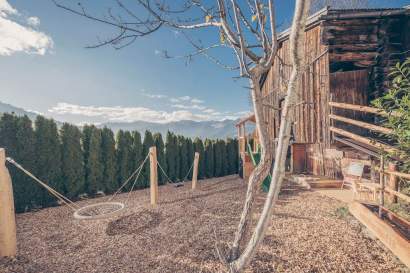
296,46
261,171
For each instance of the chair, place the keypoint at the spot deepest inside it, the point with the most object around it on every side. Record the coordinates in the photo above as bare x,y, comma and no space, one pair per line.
353,174
353,178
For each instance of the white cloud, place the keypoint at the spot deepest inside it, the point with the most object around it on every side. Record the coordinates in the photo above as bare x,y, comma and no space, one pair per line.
6,8
185,98
16,37
126,114
130,114
198,101
154,96
209,110
33,21
194,106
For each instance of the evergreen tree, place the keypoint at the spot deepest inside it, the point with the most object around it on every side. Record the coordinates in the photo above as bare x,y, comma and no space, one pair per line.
147,143
8,132
236,150
137,156
92,159
230,156
85,140
8,141
190,155
224,158
109,161
199,148
177,159
171,156
23,186
48,158
217,158
72,164
159,143
209,159
124,157
183,157
17,137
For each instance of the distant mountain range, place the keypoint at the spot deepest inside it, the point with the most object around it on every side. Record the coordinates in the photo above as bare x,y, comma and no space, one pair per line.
8,108
188,128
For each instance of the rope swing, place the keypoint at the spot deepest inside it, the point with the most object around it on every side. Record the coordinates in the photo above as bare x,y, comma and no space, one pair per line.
105,209
93,211
169,180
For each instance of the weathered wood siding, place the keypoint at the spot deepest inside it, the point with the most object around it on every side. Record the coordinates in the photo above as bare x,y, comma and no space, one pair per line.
350,87
347,59
375,43
311,113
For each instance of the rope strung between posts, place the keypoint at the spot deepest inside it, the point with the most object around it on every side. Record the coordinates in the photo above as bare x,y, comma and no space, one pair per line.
136,179
55,193
65,200
169,179
137,171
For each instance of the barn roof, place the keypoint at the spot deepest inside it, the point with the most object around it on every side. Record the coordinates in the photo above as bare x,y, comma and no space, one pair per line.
250,118
335,14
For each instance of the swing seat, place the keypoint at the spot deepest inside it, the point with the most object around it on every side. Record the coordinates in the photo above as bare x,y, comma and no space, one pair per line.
179,184
98,211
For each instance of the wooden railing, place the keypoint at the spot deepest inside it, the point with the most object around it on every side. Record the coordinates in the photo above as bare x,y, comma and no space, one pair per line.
361,108
392,174
372,127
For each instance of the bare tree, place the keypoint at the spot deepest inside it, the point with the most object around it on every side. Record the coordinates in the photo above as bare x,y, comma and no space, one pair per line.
249,29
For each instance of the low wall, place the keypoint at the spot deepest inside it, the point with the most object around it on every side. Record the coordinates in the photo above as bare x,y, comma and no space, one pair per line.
397,244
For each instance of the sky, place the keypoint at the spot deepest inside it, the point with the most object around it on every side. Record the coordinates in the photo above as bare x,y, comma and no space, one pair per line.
45,67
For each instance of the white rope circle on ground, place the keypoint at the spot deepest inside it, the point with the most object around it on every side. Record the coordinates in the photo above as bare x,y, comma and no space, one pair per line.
98,211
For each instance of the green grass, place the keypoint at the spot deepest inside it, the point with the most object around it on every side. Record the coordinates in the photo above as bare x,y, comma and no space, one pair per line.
341,212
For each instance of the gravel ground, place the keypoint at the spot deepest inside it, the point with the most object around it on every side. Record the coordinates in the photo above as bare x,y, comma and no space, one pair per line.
309,233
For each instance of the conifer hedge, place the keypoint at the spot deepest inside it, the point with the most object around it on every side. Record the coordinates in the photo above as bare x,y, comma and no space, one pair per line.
91,160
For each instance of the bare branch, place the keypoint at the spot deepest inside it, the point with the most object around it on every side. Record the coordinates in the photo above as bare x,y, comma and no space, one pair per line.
243,62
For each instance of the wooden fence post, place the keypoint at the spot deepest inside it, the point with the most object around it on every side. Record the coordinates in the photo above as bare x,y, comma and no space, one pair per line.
8,246
195,171
153,175
393,182
382,179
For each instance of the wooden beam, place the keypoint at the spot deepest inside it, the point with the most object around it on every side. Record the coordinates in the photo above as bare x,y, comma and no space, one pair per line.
382,188
362,124
399,245
364,140
392,183
195,171
398,194
8,245
396,173
399,174
153,175
362,108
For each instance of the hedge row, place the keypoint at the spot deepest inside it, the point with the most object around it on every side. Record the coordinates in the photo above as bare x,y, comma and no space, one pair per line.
90,160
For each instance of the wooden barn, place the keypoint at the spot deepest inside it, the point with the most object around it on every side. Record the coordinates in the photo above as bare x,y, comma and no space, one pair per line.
348,55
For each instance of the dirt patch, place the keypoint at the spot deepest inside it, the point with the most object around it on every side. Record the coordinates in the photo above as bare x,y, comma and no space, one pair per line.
306,235
134,224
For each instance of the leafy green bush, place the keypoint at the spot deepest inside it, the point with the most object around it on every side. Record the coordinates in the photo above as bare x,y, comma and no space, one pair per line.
396,102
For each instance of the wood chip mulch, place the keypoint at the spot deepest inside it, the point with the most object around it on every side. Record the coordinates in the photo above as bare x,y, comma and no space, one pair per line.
306,235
